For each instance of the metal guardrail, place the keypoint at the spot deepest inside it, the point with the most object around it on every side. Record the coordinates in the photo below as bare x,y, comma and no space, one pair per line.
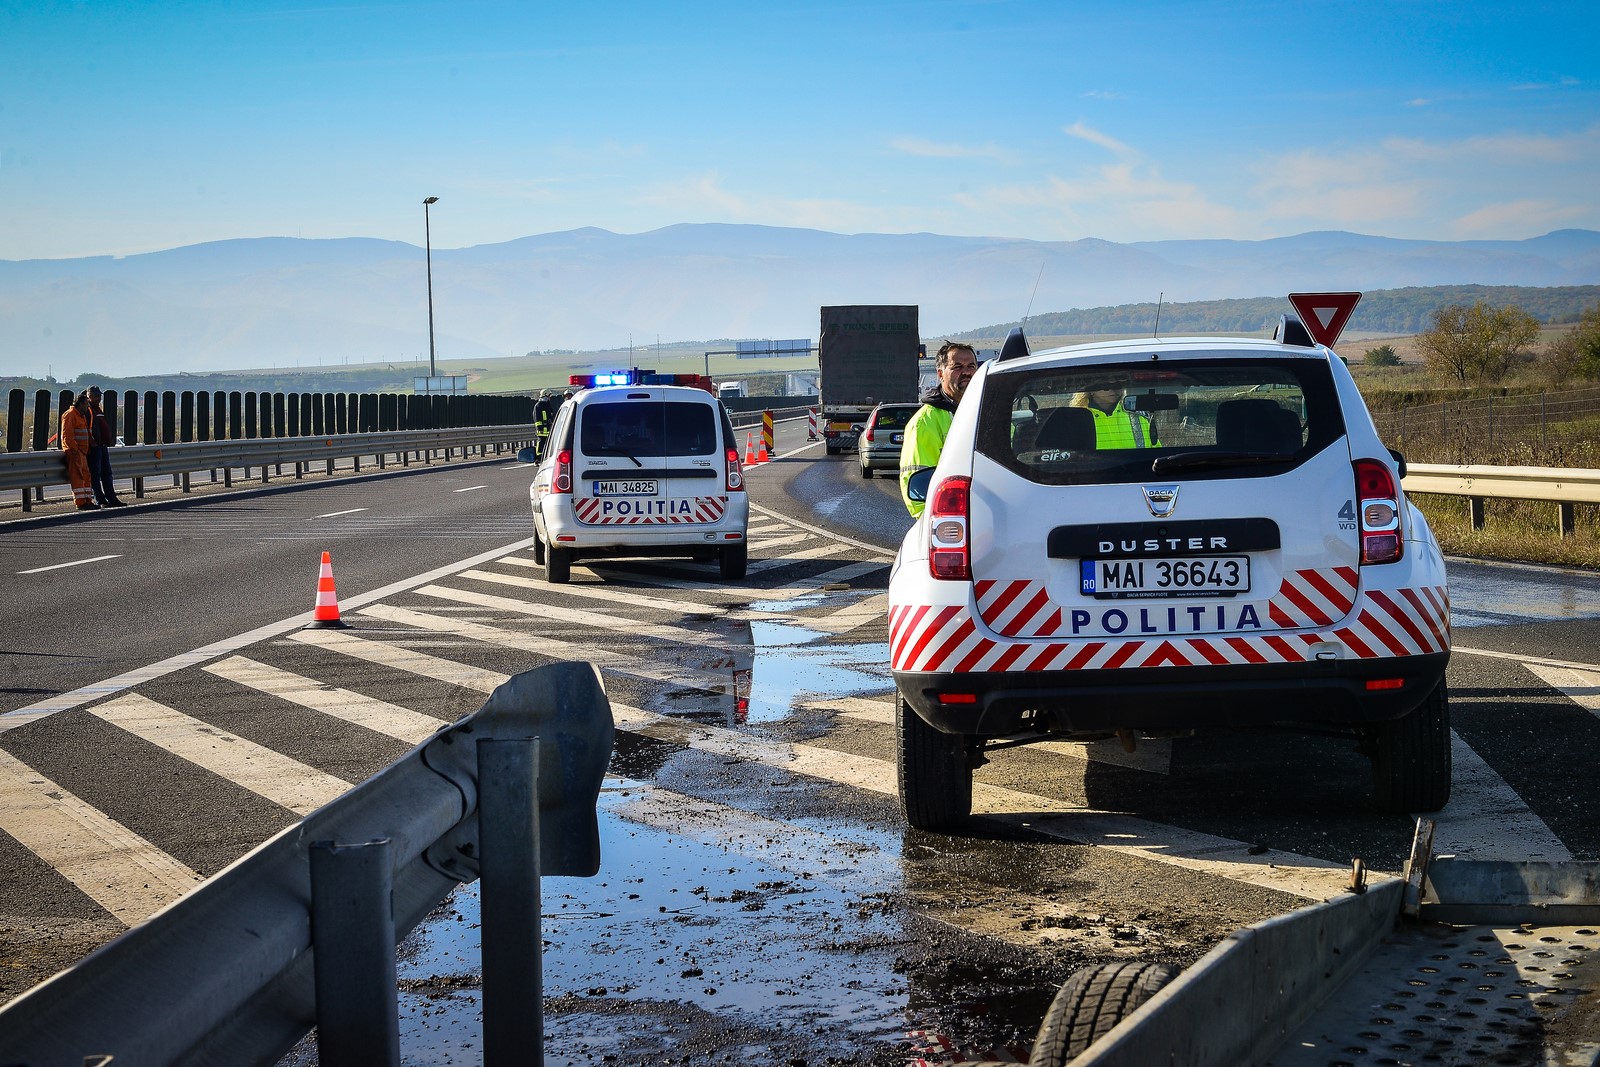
32,472
1558,485
301,931
742,419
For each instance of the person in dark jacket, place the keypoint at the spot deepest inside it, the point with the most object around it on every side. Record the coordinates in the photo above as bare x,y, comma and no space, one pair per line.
100,441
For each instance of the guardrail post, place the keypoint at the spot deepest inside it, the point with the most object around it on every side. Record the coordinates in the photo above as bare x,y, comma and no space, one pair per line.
1475,511
1568,519
352,932
508,831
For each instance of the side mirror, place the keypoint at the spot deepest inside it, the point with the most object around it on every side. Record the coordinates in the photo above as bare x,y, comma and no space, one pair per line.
917,485
528,454
1400,461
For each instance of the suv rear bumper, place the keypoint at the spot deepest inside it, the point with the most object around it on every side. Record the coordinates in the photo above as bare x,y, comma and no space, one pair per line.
1173,698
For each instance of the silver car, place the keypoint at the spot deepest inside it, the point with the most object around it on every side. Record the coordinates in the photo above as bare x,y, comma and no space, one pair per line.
884,434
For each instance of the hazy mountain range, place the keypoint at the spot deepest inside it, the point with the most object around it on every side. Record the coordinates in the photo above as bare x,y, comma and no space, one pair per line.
283,302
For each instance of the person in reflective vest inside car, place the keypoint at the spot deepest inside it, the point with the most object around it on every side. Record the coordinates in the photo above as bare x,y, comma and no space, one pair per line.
1114,425
925,433
76,437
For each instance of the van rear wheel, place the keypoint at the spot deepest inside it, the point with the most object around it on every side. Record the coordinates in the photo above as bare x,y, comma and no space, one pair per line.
734,560
557,565
1411,764
935,779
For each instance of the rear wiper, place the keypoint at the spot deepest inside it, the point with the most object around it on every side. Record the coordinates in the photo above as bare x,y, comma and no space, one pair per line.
613,450
1196,460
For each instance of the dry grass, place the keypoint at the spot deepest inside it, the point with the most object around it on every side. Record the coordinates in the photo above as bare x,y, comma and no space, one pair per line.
1521,530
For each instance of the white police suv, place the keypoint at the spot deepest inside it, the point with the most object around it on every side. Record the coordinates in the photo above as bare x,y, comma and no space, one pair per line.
640,470
1160,536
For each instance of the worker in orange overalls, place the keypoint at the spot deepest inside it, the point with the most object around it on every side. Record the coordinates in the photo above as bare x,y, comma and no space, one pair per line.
76,423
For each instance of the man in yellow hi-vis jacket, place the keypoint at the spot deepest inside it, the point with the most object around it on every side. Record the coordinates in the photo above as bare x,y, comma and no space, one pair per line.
925,433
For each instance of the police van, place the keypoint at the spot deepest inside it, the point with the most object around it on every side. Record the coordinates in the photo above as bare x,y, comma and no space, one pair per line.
638,465
1160,536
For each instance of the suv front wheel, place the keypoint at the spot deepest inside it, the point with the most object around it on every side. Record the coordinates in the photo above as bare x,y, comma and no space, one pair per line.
1411,756
935,778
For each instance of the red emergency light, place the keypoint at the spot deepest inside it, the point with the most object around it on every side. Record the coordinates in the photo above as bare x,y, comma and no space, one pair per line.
641,377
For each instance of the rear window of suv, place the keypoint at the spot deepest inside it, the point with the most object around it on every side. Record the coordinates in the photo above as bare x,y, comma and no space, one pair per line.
1197,417
647,428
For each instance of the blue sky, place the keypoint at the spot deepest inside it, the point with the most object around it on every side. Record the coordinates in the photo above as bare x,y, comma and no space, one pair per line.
129,127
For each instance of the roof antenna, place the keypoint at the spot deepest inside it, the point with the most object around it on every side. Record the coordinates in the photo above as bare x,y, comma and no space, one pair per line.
1036,282
1157,331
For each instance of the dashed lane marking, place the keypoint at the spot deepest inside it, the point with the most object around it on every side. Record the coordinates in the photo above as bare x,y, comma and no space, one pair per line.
113,866
469,488
1582,687
284,781
572,615
597,591
1518,657
1486,819
373,714
74,563
336,514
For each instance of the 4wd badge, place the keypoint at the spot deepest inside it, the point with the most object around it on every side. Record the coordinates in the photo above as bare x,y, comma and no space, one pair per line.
1162,499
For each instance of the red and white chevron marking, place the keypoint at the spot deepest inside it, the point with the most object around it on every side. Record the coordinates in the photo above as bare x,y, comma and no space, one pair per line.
1022,607
947,639
701,509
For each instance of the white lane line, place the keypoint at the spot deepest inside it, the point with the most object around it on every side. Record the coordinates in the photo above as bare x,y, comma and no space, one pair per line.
1518,657
74,563
555,648
376,715
336,514
596,591
113,866
693,638
1486,819
284,781
820,532
519,466
469,488
869,609
404,659
778,540
793,557
61,702
1582,687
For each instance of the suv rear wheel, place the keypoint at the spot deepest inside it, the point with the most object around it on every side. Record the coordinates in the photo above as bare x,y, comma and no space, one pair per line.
734,560
1411,757
557,565
934,777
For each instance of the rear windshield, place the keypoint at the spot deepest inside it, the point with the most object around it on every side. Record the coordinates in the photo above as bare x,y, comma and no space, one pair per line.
894,418
1198,418
647,428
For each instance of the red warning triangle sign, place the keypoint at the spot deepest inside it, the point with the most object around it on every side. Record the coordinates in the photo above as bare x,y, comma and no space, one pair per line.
1324,314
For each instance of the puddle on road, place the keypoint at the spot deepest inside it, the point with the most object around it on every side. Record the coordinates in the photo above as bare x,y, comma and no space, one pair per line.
680,950
789,666
1491,595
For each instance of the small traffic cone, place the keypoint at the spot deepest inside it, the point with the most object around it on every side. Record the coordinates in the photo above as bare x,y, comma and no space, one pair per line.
761,456
326,615
749,451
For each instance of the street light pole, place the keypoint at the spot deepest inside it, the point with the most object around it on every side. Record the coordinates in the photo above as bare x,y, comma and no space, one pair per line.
427,237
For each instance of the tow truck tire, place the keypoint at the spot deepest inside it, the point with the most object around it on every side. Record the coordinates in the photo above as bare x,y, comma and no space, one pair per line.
834,450
734,560
1411,757
1092,1002
557,565
934,778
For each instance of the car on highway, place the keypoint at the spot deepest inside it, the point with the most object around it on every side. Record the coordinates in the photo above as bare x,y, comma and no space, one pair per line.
1159,536
640,470
882,436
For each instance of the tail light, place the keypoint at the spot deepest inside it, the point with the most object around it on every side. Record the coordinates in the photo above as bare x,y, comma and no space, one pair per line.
949,551
868,436
735,472
1378,512
561,481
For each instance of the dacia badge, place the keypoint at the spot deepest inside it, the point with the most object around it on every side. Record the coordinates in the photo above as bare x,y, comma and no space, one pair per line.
1162,499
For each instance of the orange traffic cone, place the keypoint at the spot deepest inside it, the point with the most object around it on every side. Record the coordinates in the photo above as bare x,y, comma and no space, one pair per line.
749,451
327,613
761,456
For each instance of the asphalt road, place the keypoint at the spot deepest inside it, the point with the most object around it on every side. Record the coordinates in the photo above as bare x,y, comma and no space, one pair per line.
759,883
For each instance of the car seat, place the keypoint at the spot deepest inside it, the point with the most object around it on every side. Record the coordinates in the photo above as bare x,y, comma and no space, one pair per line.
1257,425
1070,429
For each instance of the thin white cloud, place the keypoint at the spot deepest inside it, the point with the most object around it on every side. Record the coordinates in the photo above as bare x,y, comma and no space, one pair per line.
1518,216
1093,136
1420,101
1105,94
1501,148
